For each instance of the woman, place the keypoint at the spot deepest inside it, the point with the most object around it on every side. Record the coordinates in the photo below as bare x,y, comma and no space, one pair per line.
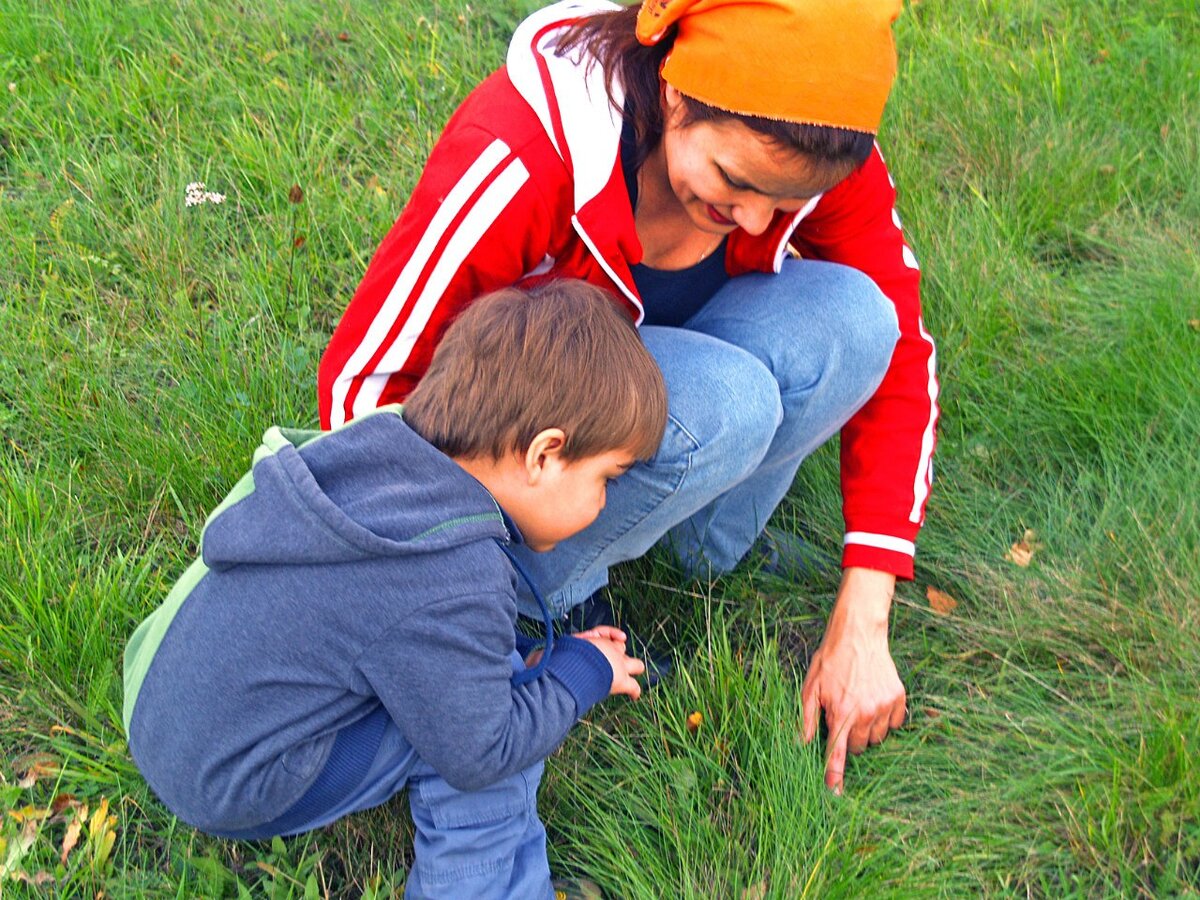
671,155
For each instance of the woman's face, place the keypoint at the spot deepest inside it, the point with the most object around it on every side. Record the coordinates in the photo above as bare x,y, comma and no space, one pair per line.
726,175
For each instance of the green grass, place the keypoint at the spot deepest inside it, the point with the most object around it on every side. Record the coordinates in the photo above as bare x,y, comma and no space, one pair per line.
1046,154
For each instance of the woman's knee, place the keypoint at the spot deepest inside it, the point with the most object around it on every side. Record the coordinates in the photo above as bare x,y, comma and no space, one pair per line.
865,326
723,401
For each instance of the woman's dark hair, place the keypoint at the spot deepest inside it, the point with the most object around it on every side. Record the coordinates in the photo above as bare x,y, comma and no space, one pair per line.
611,38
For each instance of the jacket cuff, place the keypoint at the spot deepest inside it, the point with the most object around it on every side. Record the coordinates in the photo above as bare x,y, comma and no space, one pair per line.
878,551
582,669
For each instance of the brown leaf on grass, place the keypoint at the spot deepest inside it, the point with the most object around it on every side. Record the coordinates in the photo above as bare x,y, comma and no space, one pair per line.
693,722
344,36
37,880
755,891
1021,553
35,766
939,601
1194,324
295,194
63,802
71,838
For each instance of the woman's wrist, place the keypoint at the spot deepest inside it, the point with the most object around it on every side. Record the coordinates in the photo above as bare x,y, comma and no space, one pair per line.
864,599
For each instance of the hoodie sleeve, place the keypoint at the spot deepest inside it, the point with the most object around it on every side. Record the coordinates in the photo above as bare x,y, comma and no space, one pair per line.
887,446
445,676
475,222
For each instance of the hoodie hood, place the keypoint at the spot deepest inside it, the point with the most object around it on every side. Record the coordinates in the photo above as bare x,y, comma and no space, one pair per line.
373,488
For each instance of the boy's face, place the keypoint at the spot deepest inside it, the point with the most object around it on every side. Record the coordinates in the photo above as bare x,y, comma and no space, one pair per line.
567,497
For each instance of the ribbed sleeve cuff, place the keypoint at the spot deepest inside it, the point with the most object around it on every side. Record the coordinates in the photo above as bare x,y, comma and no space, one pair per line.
582,669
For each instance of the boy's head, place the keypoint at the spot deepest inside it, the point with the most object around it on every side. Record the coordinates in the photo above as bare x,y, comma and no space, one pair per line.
542,395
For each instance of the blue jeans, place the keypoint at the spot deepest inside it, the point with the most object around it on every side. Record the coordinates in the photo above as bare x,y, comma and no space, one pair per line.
767,371
472,845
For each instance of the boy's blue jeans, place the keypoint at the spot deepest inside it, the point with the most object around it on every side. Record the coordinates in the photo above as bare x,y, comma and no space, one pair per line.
483,844
767,371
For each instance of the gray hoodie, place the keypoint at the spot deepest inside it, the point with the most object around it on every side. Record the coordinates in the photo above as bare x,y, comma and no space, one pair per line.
347,570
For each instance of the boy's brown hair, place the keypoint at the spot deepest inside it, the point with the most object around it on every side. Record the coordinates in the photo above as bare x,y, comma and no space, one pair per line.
517,362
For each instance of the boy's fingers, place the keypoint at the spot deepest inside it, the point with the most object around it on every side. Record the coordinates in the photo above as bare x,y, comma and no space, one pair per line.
634,666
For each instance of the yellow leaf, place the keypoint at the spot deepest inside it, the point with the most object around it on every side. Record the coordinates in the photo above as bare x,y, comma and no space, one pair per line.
693,722
105,847
29,814
939,601
96,825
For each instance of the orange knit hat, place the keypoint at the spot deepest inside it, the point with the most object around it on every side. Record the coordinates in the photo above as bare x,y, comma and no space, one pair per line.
819,62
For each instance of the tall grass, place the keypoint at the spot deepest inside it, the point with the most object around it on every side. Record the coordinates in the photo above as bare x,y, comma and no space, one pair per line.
1046,155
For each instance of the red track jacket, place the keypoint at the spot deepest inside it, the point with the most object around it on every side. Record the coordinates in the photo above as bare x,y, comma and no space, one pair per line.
526,183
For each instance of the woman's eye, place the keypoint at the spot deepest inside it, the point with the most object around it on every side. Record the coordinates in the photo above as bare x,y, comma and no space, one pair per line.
729,181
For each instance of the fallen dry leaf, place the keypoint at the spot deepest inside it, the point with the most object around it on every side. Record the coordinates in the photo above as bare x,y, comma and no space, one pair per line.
63,802
29,814
35,766
939,601
36,880
1021,553
295,194
1194,324
18,847
71,838
693,722
755,891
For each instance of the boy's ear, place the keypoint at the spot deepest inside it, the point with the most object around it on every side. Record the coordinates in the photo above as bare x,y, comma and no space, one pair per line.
545,450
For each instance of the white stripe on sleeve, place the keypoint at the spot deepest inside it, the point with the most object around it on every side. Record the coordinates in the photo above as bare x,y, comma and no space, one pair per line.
375,335
924,469
882,541
481,217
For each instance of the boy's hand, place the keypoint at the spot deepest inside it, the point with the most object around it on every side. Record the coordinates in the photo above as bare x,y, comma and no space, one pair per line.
608,632
611,642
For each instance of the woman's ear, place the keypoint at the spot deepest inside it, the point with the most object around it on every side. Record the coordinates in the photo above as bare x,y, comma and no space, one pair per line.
672,102
544,452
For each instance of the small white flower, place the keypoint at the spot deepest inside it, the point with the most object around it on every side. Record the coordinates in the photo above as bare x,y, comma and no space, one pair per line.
197,194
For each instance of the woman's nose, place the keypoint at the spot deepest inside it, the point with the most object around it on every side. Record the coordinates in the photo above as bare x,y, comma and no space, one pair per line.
753,216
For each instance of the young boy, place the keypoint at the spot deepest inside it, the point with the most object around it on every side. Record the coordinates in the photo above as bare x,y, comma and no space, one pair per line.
349,629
